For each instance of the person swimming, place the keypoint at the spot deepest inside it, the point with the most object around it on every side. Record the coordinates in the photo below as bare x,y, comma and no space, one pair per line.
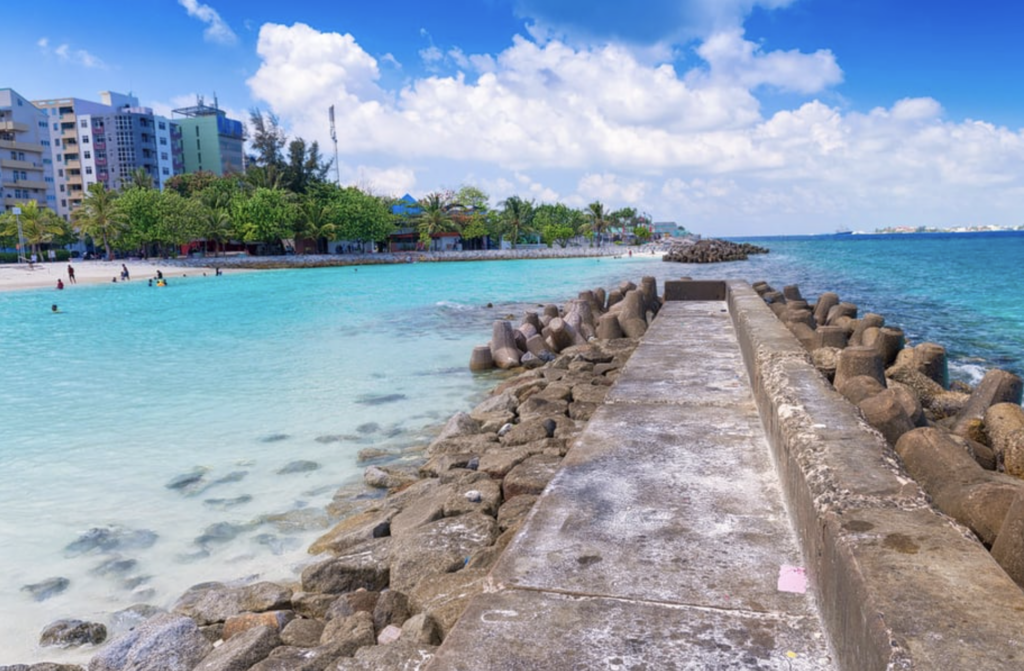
53,309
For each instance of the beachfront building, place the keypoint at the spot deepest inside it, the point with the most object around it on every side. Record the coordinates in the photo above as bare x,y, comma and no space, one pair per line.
210,140
107,142
26,167
666,229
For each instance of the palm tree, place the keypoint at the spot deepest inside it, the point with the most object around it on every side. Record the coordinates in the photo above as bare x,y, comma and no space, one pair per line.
315,220
98,216
435,216
517,215
141,179
599,219
39,225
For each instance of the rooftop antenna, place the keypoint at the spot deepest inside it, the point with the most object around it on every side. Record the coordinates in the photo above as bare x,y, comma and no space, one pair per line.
334,137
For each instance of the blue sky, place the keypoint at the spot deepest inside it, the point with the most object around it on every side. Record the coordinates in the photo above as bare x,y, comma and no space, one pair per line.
729,116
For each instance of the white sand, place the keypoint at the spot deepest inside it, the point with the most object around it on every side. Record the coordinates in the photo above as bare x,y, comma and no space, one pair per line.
45,275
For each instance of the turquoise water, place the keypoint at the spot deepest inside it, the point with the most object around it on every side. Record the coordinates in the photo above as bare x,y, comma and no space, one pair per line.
264,386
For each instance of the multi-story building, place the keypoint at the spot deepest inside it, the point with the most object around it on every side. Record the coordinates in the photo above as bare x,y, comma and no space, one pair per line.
26,166
210,140
107,142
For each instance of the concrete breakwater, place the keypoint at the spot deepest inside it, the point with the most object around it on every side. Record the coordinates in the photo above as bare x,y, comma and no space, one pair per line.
402,567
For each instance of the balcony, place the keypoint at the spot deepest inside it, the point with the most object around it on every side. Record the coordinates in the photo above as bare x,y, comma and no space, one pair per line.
29,184
20,146
101,162
99,144
12,164
13,126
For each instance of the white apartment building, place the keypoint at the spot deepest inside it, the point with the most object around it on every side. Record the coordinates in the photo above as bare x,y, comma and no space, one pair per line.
106,142
26,165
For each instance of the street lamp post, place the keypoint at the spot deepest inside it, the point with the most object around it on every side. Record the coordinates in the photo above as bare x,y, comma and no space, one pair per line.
16,211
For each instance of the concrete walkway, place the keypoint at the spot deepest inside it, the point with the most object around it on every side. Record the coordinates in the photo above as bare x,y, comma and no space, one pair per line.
663,541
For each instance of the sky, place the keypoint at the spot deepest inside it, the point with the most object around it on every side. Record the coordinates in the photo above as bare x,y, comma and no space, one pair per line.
730,117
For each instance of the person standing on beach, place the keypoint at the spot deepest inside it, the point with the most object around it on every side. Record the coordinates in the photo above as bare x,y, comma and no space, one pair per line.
124,273
71,275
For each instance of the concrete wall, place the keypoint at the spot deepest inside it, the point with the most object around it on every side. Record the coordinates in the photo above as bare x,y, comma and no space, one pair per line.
901,585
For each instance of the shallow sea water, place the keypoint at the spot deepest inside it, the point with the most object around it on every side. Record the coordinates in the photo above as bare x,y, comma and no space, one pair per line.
262,388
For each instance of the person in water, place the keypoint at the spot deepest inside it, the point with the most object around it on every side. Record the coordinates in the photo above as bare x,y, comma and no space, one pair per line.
60,284
53,308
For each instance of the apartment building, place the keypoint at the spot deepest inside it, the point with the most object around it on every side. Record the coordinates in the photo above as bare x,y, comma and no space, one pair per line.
210,140
26,165
107,142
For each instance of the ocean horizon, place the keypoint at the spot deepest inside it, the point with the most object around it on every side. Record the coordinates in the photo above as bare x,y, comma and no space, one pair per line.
158,439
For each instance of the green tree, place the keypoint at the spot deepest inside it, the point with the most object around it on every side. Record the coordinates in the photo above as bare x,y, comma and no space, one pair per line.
516,217
360,216
141,179
558,223
191,183
435,216
264,216
598,220
267,140
39,225
213,222
315,218
306,169
99,218
140,211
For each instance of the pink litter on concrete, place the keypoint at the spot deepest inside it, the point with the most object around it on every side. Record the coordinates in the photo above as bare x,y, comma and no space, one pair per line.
792,579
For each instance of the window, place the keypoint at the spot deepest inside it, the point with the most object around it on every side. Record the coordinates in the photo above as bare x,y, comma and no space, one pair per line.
197,144
163,125
85,123
87,154
56,126
166,171
88,169
63,202
85,139
163,141
56,143
60,173
24,175
62,188
21,156
163,155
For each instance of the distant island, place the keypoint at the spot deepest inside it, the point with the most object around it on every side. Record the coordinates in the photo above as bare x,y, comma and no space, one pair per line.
951,229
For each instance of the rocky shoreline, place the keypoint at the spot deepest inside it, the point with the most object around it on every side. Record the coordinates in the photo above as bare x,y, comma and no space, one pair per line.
964,446
710,250
401,568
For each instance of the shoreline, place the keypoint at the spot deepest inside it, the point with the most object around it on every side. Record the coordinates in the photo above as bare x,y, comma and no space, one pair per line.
44,275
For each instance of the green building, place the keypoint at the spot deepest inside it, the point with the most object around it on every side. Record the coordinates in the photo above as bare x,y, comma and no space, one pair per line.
210,140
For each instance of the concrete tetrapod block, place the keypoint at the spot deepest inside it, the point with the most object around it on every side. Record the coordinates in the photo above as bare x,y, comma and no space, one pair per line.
885,412
930,360
826,302
899,586
1008,549
854,361
1004,424
869,320
998,386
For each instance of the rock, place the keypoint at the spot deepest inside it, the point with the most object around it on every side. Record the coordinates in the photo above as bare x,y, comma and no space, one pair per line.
111,538
41,591
359,601
486,499
300,466
498,403
439,547
458,425
444,597
389,635
350,633
353,531
364,566
242,651
513,512
72,634
43,666
421,628
188,483
398,656
421,504
531,476
165,642
527,431
392,608
542,407
300,659
221,532
131,617
274,619
208,603
302,633
384,477
312,605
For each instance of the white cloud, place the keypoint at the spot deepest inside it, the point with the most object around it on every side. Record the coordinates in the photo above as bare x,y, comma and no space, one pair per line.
216,29
602,123
66,54
390,181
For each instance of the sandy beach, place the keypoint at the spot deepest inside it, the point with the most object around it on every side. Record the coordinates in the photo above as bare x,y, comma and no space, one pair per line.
45,275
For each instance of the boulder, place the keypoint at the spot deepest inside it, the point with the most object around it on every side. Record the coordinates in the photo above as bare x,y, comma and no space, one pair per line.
274,619
439,547
1008,548
531,476
458,425
384,477
359,601
350,633
242,651
421,628
365,566
354,530
401,655
302,633
208,603
513,512
445,597
165,642
72,634
312,604
420,504
392,608
483,496
286,658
